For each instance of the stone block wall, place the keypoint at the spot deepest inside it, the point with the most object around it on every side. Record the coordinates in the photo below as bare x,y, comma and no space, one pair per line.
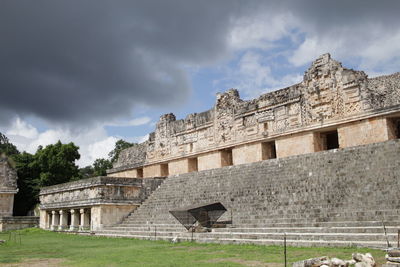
363,132
135,173
6,204
18,222
156,170
92,203
212,160
297,144
358,183
328,96
8,186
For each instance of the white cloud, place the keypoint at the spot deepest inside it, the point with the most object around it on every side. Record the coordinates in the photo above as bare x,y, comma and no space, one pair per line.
97,150
135,122
22,128
93,142
259,31
137,139
253,76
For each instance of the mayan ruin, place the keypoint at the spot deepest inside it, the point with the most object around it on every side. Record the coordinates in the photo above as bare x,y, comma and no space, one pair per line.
8,189
317,160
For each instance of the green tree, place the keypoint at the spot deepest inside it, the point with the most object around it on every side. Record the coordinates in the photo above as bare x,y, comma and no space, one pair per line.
119,146
28,183
6,147
100,167
57,163
86,172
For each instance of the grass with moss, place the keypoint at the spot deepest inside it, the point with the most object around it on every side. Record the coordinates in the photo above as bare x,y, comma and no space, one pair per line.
84,251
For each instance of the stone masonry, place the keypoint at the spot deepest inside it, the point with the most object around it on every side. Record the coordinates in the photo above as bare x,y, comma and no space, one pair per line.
318,160
89,204
329,198
8,187
332,102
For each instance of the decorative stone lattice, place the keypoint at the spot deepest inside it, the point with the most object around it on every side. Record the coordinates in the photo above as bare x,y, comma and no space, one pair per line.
329,92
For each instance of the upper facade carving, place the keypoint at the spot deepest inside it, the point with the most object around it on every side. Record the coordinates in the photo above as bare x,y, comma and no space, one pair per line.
8,176
328,93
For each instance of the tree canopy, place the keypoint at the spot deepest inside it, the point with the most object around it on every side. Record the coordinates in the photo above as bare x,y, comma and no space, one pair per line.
57,163
100,167
119,146
53,164
6,147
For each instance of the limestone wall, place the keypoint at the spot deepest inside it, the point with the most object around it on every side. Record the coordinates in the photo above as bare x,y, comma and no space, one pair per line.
296,144
92,203
8,187
358,183
247,153
368,131
95,191
6,204
104,215
210,160
329,95
18,222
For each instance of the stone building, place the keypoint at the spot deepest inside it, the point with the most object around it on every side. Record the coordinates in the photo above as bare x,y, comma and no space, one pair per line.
237,151
8,188
333,107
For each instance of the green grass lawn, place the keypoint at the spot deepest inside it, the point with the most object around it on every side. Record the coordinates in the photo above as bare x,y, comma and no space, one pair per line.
59,249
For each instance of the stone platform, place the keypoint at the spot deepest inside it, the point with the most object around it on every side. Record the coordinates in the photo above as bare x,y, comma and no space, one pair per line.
18,222
341,197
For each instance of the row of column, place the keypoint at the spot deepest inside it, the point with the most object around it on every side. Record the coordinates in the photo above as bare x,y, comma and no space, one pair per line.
73,220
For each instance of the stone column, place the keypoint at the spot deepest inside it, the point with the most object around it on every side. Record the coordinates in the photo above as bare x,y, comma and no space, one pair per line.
74,220
85,224
63,220
48,220
55,220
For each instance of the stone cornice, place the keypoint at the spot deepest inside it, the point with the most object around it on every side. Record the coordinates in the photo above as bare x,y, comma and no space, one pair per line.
326,124
89,203
91,182
8,190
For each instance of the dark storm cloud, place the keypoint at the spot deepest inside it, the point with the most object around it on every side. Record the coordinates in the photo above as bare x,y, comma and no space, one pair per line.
90,60
83,61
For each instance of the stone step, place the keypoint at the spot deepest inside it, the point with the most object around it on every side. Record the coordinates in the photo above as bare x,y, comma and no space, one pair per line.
364,229
279,241
264,235
297,223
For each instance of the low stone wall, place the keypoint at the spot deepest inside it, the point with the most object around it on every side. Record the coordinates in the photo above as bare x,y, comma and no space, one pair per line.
18,222
92,203
95,191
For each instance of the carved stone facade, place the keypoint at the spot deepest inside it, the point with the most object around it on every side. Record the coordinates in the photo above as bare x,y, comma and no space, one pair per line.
332,108
8,187
330,98
90,204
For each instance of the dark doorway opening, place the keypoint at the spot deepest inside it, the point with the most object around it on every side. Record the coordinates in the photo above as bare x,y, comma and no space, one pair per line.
330,140
268,150
140,172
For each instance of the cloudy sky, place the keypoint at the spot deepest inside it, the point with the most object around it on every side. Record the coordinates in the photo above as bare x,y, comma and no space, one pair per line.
95,71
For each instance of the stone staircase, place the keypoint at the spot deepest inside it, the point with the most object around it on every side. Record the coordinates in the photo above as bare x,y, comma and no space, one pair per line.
330,198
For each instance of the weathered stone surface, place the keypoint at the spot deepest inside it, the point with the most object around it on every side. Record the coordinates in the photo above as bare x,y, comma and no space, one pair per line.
97,191
394,253
18,222
8,176
328,95
310,262
359,260
8,186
